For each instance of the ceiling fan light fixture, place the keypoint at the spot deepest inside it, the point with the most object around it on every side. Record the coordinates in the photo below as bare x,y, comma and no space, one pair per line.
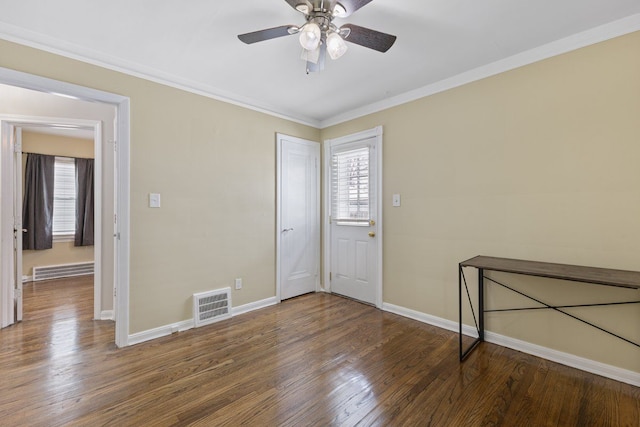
311,55
339,11
310,36
335,46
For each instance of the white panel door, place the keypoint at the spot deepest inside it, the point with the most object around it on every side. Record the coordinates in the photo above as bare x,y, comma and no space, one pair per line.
354,245
299,217
17,230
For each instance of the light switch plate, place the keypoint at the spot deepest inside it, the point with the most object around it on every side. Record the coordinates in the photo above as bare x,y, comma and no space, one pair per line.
396,200
154,200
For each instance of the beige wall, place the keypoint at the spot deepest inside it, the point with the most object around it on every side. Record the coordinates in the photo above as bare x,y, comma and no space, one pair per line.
62,252
213,164
537,163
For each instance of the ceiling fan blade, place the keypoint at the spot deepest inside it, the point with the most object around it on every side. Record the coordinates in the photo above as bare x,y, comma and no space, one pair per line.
269,33
366,37
351,6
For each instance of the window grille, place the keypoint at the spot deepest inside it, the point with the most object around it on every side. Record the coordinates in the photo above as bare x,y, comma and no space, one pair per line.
64,197
350,186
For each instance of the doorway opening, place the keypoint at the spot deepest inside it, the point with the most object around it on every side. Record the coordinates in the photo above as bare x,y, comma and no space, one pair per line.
118,204
73,149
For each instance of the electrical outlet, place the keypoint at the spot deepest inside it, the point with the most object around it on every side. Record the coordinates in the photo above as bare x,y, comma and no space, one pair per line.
238,283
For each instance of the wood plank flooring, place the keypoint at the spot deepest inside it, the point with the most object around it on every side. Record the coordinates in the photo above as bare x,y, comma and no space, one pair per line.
315,360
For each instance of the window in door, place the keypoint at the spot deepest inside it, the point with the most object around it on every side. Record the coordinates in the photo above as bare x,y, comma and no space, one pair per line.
350,186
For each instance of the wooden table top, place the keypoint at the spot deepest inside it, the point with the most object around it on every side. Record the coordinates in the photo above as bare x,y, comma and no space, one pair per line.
576,273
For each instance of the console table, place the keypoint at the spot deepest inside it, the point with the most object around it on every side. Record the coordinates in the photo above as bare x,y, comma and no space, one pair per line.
574,273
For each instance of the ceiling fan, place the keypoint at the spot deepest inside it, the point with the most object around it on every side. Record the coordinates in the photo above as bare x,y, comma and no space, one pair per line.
320,35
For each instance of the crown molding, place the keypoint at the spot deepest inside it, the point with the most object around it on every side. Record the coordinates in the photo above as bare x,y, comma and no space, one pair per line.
45,43
595,35
55,46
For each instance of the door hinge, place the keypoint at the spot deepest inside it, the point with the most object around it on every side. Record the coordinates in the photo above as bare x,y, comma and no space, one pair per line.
329,276
115,218
17,147
17,293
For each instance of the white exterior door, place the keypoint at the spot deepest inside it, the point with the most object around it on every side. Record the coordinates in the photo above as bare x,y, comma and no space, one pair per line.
354,223
298,229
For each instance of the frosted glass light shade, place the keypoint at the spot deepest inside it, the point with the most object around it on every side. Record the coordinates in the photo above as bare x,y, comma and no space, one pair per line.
335,46
310,36
311,55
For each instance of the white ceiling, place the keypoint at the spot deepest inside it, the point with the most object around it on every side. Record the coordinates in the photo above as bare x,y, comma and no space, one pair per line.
193,45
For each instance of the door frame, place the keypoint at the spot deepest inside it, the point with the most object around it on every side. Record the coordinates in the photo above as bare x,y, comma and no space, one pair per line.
9,123
122,165
326,262
279,225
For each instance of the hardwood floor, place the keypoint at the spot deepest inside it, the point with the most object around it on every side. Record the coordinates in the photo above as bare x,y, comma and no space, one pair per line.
315,360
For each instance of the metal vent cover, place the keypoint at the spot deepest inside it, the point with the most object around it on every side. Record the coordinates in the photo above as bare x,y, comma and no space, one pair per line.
211,306
66,270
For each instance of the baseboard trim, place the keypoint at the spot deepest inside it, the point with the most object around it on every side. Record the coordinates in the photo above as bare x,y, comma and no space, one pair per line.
429,319
163,331
107,315
598,368
257,305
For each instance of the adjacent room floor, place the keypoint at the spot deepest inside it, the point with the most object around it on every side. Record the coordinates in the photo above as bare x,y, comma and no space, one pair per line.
315,360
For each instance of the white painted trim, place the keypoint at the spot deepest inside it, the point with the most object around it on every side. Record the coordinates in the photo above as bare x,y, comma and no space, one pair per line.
589,37
159,332
598,368
6,224
106,315
97,220
26,279
42,84
256,305
278,211
185,325
49,44
567,359
599,34
377,133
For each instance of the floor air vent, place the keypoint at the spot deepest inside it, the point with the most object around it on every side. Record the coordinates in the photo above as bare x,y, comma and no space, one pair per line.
58,271
211,306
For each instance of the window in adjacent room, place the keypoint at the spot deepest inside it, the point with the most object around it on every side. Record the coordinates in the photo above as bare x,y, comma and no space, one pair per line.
64,199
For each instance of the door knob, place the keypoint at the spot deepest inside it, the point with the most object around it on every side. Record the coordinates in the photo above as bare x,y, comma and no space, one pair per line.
372,234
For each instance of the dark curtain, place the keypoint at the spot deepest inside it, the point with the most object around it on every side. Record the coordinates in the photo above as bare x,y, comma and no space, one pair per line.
37,205
84,202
